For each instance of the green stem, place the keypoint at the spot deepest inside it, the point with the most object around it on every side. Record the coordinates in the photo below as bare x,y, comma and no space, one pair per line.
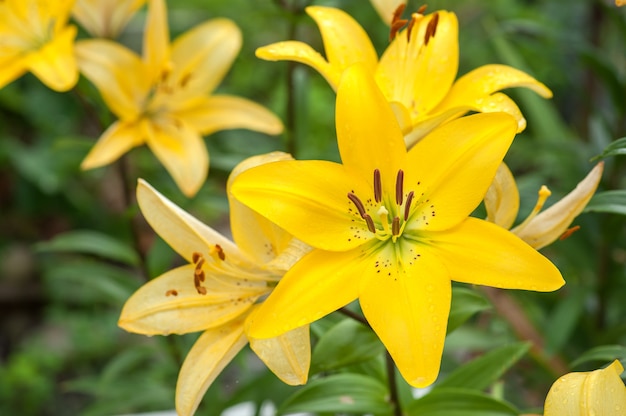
393,386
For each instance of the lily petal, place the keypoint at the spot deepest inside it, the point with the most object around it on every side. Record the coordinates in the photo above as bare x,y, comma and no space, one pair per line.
287,355
321,281
297,51
386,8
345,41
408,309
11,68
182,151
118,139
308,198
482,253
203,55
181,231
104,19
474,88
457,163
502,198
54,64
117,72
599,392
156,40
254,234
223,112
548,225
170,304
368,136
424,126
205,361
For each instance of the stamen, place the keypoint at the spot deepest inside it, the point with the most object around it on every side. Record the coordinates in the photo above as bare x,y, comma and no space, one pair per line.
378,187
400,187
395,226
396,22
543,195
217,252
569,232
199,274
357,203
171,292
184,80
422,9
195,256
431,29
407,207
370,223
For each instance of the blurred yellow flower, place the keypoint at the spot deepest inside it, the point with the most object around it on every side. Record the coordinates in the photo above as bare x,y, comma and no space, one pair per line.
217,291
105,18
391,227
163,98
538,229
35,37
416,72
595,393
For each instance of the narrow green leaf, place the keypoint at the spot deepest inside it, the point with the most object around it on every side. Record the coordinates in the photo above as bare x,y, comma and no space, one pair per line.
613,202
347,342
459,402
465,303
485,370
90,242
617,147
563,320
340,393
604,353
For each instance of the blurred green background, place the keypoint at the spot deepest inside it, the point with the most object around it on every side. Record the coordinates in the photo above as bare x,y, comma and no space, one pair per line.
69,258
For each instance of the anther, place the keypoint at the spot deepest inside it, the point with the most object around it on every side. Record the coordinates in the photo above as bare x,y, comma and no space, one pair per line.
395,226
184,80
407,207
171,292
378,187
396,22
431,29
220,252
357,203
399,187
569,232
195,256
370,223
422,9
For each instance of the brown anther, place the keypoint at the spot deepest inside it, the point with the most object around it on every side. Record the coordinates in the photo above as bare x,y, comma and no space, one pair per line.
220,252
201,290
396,22
431,29
357,203
407,207
200,263
395,226
378,187
400,187
409,28
422,9
370,223
198,278
195,256
184,80
569,232
171,292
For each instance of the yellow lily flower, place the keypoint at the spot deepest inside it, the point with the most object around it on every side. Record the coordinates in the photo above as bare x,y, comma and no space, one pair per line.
36,38
216,292
599,392
391,227
416,72
105,18
163,99
538,229
386,8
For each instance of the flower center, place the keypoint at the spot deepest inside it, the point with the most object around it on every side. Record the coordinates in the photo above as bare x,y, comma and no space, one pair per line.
390,216
398,23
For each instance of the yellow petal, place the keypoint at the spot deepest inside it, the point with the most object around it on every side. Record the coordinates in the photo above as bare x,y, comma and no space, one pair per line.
420,75
454,165
104,18
54,64
345,41
156,40
502,198
321,282
222,112
385,8
309,199
548,225
255,235
599,392
184,233
202,56
475,88
205,361
11,68
182,151
292,50
170,304
482,253
368,134
408,309
117,72
118,139
424,126
287,355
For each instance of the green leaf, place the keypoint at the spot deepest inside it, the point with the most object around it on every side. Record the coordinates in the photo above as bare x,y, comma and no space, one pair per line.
613,202
483,371
604,353
347,342
90,242
340,393
563,320
618,147
465,303
459,402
